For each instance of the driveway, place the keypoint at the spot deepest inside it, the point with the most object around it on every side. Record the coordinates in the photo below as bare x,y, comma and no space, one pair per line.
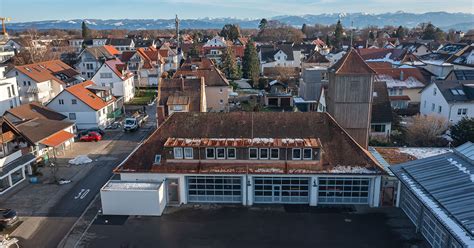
262,226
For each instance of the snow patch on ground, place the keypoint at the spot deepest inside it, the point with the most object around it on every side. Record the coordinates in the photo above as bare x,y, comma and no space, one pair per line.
439,213
81,159
422,152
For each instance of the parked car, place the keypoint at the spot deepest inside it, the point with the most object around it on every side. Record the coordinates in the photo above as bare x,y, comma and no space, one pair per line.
97,130
134,122
91,136
8,218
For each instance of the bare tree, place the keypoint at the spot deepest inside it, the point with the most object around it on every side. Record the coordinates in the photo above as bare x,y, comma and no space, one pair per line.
425,130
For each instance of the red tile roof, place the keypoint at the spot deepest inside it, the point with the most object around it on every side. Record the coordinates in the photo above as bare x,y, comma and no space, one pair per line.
111,49
44,71
35,110
57,138
118,67
88,97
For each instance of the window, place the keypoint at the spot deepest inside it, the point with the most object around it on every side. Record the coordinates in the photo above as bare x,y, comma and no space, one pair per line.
157,159
111,85
263,153
61,101
220,153
231,153
274,153
177,107
462,111
106,75
440,109
24,83
377,128
307,153
29,83
74,101
433,106
221,101
210,153
17,176
9,92
253,153
188,153
435,91
13,90
178,152
72,116
296,153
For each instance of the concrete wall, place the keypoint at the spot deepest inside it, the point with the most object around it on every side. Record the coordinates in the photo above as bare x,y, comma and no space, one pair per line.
217,98
133,202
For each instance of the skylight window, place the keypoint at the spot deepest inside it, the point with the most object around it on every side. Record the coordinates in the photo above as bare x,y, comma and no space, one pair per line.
455,92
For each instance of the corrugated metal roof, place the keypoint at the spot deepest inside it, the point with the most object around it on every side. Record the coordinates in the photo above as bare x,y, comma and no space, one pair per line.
448,180
467,149
381,160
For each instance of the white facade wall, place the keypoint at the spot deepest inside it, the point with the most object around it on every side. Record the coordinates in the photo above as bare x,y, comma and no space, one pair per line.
87,65
9,95
120,87
448,110
46,90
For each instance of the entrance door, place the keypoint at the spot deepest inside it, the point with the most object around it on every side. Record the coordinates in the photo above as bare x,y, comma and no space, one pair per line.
276,193
173,190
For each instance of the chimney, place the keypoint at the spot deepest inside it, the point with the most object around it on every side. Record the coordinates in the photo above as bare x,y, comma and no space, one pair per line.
160,115
401,75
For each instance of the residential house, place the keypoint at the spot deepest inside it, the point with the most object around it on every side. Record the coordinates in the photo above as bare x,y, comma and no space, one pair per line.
42,81
452,100
217,86
241,159
147,65
315,59
273,58
415,48
114,74
381,116
79,44
441,61
181,95
48,131
464,59
460,75
403,84
15,156
121,44
6,52
436,195
86,104
91,59
144,43
9,96
170,56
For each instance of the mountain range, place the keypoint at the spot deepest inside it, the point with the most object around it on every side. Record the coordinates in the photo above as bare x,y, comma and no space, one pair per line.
444,20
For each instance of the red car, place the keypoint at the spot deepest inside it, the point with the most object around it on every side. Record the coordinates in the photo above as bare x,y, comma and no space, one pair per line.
91,136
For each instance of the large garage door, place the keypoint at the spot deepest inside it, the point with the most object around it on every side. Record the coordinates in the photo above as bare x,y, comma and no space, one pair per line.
343,190
281,190
224,189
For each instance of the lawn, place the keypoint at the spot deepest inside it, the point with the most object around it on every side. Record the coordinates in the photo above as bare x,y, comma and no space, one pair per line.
143,97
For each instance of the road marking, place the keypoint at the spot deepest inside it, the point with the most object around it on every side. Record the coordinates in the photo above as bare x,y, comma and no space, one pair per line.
82,194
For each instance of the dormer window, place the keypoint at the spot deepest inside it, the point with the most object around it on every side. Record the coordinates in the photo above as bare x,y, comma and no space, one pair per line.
210,153
178,152
157,159
307,154
263,153
188,153
296,152
220,152
231,153
274,153
253,153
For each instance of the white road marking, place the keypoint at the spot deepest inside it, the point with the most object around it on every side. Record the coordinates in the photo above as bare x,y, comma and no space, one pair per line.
85,193
79,194
82,194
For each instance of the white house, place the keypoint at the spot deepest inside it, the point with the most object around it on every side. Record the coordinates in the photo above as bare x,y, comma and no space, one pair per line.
42,81
86,104
122,44
452,100
282,56
147,65
92,58
9,97
170,57
79,44
113,74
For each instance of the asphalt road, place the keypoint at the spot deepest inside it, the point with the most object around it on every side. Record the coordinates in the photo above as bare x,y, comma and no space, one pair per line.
65,213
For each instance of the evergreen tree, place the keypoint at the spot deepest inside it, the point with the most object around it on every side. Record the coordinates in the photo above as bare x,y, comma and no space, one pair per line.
229,64
328,41
400,32
429,32
250,63
230,32
86,32
338,32
194,51
263,24
371,35
463,131
304,28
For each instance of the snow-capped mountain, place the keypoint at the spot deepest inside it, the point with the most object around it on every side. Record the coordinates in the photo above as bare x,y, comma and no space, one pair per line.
460,21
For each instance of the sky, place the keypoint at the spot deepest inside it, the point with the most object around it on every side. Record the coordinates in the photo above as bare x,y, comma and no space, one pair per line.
37,10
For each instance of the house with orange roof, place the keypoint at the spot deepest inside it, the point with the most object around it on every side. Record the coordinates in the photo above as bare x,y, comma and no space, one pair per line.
114,74
91,59
40,82
87,104
146,64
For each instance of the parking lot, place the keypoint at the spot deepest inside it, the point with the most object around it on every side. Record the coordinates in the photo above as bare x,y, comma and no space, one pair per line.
260,226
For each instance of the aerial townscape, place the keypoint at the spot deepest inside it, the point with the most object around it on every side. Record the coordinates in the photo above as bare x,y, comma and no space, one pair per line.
328,130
